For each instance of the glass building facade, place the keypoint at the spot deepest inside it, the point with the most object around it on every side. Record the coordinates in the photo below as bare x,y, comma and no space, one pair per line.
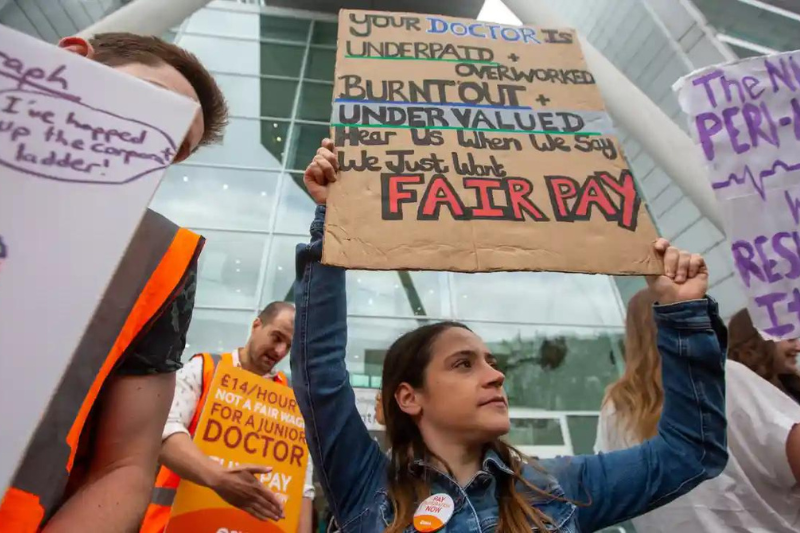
51,20
558,337
654,43
753,27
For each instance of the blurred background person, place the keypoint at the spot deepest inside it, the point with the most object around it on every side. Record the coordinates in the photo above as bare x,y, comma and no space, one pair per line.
757,491
776,362
379,409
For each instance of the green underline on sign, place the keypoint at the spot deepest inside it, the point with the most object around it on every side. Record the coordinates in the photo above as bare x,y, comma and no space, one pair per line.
543,132
481,61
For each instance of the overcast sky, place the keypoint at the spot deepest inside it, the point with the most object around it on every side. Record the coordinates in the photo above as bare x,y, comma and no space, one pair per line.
496,11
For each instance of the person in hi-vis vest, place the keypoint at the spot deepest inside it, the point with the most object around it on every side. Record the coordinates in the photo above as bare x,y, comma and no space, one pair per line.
91,462
270,340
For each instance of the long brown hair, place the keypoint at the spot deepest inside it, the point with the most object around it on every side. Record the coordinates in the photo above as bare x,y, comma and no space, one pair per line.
746,346
406,361
638,395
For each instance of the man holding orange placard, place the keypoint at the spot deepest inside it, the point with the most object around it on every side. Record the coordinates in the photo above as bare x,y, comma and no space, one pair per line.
246,486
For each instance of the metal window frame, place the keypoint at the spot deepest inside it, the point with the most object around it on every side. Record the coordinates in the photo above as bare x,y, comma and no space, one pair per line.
772,9
747,45
261,7
269,77
264,271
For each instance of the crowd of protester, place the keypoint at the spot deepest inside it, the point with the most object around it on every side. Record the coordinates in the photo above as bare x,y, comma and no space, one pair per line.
699,434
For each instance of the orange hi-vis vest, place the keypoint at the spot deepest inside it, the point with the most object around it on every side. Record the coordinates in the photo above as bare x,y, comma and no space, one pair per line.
158,512
150,276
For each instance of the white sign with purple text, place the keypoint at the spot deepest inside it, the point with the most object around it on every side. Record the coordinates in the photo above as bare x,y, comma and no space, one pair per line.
746,118
82,149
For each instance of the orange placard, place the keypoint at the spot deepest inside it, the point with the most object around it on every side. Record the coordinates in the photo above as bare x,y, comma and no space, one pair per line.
246,420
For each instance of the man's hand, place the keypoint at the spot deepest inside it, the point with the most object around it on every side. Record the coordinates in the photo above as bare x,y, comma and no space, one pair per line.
685,275
321,172
240,488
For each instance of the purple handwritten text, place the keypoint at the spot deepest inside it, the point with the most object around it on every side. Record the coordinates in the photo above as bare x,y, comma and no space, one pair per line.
759,259
13,67
794,206
769,302
759,127
65,140
783,73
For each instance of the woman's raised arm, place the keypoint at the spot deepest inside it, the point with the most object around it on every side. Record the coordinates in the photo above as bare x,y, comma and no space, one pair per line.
351,463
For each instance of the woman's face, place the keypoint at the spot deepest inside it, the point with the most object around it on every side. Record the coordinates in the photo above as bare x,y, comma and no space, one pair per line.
463,394
786,356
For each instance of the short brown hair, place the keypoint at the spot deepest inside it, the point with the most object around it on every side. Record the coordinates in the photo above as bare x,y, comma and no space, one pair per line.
117,49
273,310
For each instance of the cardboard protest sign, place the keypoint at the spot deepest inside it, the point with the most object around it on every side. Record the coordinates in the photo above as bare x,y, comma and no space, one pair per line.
746,118
82,150
472,146
246,420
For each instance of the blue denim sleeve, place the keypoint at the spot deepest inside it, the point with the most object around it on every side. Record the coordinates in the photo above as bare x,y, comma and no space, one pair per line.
350,463
690,446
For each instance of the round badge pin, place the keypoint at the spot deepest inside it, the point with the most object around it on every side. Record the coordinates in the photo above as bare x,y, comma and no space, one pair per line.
433,513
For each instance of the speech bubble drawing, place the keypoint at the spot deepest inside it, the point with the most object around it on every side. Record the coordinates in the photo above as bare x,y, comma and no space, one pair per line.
53,137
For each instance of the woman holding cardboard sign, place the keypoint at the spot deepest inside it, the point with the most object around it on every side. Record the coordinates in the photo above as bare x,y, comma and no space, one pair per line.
445,411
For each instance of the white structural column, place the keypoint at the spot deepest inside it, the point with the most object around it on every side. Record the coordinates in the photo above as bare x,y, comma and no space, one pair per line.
669,146
146,17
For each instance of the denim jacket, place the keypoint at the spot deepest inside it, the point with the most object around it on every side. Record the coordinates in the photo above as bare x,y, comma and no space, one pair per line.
588,492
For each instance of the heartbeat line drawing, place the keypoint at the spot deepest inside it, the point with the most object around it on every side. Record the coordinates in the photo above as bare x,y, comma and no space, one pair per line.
757,181
3,250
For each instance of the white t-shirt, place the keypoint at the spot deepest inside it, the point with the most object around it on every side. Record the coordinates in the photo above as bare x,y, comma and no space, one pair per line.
188,389
757,492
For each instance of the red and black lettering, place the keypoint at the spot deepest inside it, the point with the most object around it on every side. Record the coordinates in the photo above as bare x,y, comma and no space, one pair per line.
518,191
593,194
394,194
572,201
486,208
561,189
625,187
440,193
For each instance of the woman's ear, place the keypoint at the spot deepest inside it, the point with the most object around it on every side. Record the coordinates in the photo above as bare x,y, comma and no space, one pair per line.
408,400
77,45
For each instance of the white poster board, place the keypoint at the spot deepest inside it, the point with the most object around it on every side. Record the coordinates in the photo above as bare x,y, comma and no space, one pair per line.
746,118
82,150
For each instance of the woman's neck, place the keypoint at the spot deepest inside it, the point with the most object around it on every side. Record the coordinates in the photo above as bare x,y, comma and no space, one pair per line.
464,461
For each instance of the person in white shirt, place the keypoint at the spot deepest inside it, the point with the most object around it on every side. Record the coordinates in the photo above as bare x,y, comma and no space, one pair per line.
776,362
758,490
269,342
